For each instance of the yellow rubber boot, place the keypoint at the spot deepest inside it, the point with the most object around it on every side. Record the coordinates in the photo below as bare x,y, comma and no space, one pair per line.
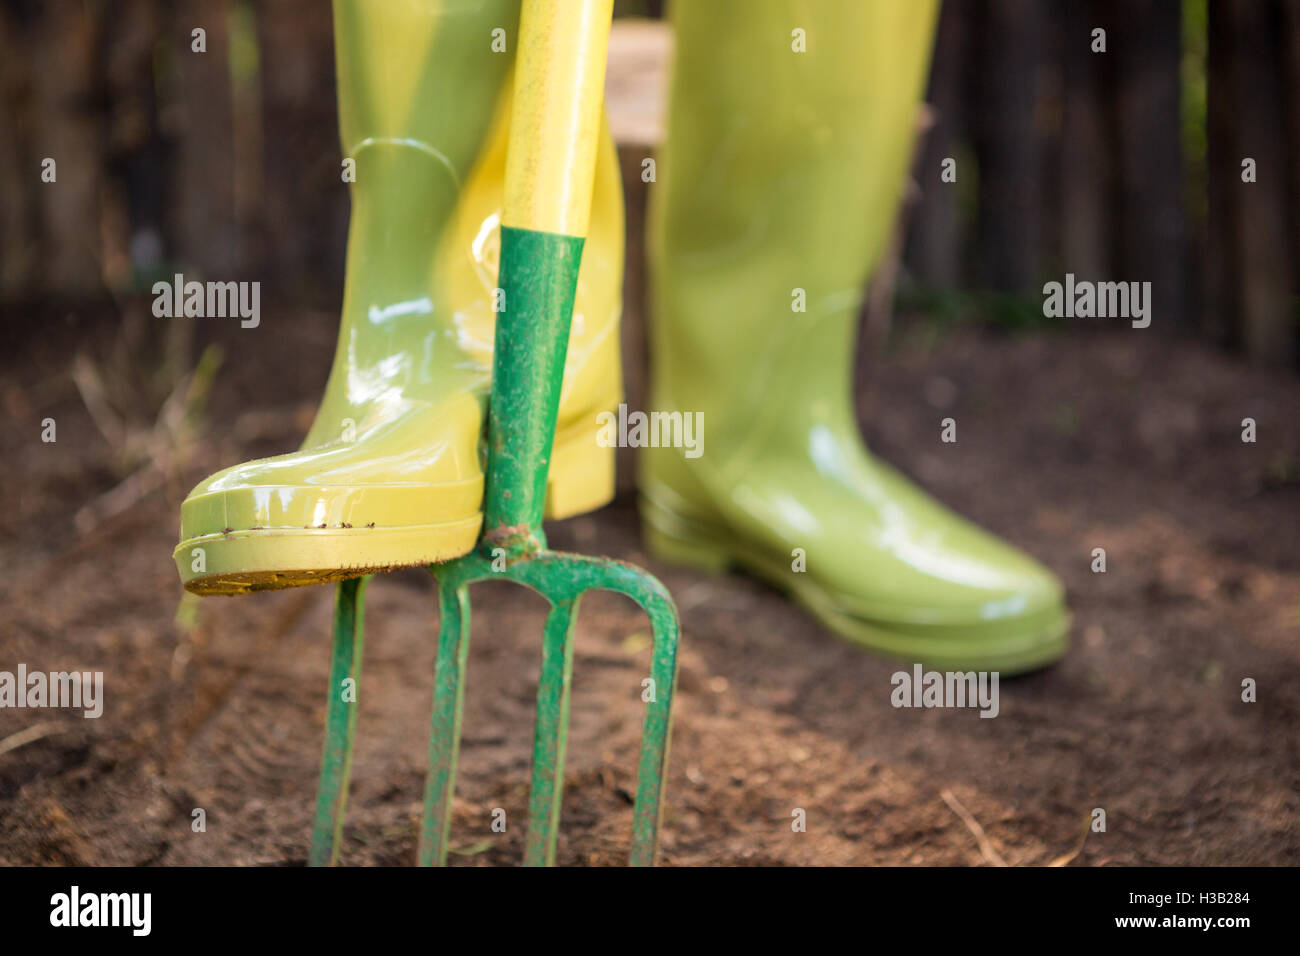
391,474
790,130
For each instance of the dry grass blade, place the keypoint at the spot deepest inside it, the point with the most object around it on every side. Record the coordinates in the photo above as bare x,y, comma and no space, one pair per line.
30,735
90,385
154,453
1065,859
986,848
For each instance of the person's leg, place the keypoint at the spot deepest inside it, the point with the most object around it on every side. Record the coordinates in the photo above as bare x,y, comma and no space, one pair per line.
390,474
789,133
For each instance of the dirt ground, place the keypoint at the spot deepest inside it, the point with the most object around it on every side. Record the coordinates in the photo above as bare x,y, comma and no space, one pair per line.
1067,442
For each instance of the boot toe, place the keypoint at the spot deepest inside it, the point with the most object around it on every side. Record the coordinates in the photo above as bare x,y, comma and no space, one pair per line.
253,537
335,511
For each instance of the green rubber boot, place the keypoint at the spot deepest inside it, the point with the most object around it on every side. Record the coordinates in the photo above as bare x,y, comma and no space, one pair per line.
782,172
391,473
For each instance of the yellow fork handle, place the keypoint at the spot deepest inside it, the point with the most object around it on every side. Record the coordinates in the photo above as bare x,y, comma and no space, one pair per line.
555,119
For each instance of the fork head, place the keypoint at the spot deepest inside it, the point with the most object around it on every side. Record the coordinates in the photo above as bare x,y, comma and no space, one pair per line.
562,579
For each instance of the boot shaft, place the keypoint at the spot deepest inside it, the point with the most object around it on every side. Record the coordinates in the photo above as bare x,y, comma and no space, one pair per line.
790,130
424,70
424,100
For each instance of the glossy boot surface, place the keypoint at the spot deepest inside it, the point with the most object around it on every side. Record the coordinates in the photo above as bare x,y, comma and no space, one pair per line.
391,473
780,178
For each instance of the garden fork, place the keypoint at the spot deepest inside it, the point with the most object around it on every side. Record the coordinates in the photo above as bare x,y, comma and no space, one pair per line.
549,169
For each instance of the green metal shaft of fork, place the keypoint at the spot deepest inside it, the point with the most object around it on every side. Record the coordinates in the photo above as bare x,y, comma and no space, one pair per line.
545,210
538,278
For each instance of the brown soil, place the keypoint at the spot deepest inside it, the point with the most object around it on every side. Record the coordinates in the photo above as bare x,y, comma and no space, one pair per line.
1114,439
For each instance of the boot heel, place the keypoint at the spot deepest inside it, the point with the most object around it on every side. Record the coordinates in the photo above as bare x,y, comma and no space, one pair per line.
683,548
581,476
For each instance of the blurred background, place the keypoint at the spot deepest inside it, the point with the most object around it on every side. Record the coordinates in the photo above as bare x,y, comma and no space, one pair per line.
1075,435
1122,165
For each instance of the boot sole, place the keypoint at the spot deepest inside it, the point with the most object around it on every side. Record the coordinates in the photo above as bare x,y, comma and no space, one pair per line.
581,479
1023,644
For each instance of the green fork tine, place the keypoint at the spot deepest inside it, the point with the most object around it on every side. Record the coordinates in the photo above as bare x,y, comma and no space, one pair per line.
340,723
